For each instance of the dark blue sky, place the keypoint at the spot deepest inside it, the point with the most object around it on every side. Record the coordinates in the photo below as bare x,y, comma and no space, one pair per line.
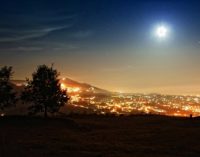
104,42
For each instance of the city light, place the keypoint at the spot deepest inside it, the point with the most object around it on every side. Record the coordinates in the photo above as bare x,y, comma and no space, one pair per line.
119,103
140,104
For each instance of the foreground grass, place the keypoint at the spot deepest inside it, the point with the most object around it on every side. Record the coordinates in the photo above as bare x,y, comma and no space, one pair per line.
100,136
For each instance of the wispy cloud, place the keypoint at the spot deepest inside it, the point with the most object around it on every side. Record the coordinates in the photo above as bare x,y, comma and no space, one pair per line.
42,31
11,35
40,46
24,48
22,26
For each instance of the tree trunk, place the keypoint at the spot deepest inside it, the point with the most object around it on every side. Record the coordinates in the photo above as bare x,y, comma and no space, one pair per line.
45,111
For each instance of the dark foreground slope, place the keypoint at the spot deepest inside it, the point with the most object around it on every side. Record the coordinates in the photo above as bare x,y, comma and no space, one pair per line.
100,136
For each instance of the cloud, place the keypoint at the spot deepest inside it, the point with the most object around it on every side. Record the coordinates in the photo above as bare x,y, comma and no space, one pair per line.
24,48
11,35
40,46
22,26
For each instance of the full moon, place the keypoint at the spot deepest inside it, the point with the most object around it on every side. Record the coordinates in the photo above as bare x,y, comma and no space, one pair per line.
161,31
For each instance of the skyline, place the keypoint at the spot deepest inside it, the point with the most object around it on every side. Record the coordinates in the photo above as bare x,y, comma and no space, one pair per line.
111,45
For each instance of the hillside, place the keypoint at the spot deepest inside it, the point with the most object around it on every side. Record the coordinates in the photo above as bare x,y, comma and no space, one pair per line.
99,136
70,84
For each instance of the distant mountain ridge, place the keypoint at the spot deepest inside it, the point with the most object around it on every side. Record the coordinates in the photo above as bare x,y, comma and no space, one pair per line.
70,83
83,86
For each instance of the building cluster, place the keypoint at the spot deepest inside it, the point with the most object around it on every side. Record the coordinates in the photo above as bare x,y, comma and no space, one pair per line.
127,104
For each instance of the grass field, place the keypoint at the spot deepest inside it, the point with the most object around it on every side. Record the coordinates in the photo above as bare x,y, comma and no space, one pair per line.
100,136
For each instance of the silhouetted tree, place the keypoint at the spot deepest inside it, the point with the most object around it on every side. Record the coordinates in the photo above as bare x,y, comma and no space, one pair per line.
44,91
7,95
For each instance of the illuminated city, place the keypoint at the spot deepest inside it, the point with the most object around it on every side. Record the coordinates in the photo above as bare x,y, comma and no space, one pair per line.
90,101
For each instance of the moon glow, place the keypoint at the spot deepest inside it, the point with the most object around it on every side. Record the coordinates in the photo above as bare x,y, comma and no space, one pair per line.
161,32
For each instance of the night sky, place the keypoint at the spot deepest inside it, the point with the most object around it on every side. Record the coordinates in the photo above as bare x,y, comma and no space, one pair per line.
107,43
